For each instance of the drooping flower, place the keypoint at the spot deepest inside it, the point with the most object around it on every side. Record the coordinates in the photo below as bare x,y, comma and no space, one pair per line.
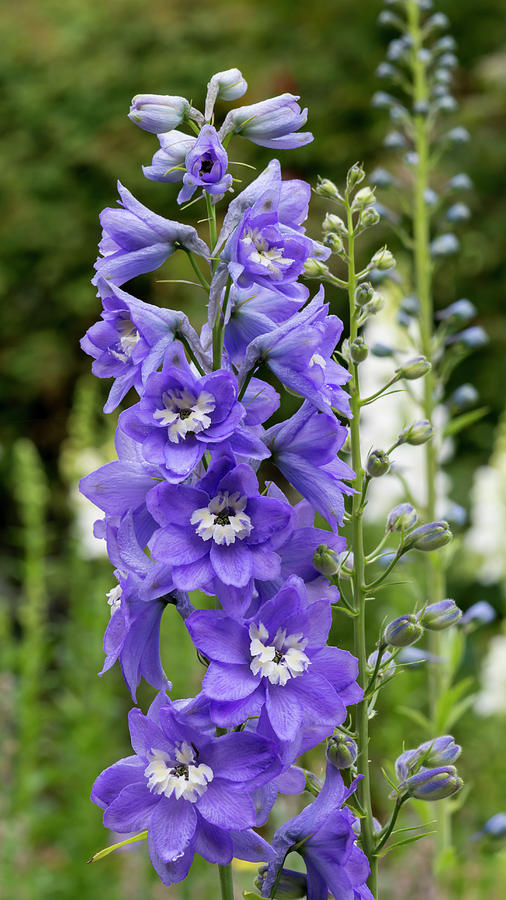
191,791
270,123
279,660
158,113
168,163
206,167
136,240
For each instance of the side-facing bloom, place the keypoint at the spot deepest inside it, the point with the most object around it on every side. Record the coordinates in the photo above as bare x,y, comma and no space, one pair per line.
219,530
324,836
136,240
279,660
304,448
159,112
206,167
270,123
168,163
191,791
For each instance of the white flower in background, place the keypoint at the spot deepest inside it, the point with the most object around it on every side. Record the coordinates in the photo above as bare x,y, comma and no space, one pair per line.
486,539
491,700
85,512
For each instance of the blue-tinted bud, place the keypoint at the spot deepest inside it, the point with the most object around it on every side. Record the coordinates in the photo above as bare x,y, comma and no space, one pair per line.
428,537
438,20
159,113
418,433
425,55
473,338
445,44
481,613
416,367
434,784
334,242
443,76
382,351
394,140
458,212
388,19
402,517
455,514
448,104
460,182
410,305
406,763
421,108
411,158
325,560
441,751
377,464
458,313
387,666
425,4
458,135
449,60
382,100
398,49
333,222
291,886
430,197
386,70
342,751
403,631
439,90
495,827
229,85
364,293
444,245
439,616
381,178
464,397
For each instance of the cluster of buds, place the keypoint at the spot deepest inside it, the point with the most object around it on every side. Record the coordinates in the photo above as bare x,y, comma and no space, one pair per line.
427,772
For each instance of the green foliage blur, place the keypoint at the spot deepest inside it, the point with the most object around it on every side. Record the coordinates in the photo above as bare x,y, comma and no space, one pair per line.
68,71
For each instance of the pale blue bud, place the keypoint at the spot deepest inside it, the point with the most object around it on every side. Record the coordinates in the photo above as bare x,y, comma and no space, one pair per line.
228,85
403,631
417,433
438,616
402,517
444,245
434,784
460,182
458,212
431,536
158,113
464,397
480,613
458,135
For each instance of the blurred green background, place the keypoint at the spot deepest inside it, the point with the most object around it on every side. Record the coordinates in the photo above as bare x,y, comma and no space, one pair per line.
68,71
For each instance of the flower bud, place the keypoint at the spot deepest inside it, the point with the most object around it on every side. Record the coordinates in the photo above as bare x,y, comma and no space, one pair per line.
414,368
473,338
428,537
434,784
495,827
438,20
376,303
342,751
444,44
291,885
441,751
382,351
355,175
387,665
363,197
402,517
458,135
458,212
325,560
418,433
327,188
359,350
410,305
334,242
481,613
158,113
314,268
421,108
441,615
333,222
394,140
381,178
368,217
458,313
383,260
406,763
444,245
377,464
364,293
403,631
463,397
386,70
460,182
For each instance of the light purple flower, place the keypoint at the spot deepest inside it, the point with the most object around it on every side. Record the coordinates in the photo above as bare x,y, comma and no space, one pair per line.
206,167
168,163
270,123
228,85
158,113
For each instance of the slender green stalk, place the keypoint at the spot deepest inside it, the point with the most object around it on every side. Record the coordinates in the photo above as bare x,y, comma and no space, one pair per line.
198,273
213,234
226,882
359,600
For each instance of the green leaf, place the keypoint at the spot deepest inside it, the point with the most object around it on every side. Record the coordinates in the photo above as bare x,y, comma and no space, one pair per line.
410,840
469,418
459,709
249,895
415,716
131,840
448,701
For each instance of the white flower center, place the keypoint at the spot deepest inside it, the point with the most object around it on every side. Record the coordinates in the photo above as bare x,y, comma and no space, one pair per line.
128,338
177,774
114,598
223,519
318,360
270,259
183,413
280,660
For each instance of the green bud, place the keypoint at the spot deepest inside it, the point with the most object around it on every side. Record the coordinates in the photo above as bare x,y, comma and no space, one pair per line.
359,349
364,293
402,517
368,217
342,751
403,631
363,197
383,260
325,560
355,175
334,241
428,537
332,222
414,368
376,303
377,464
418,433
327,188
441,615
313,268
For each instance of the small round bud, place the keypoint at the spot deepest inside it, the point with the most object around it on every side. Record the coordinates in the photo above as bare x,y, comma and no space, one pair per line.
418,433
449,60
458,212
402,517
386,70
464,397
333,222
438,20
411,158
458,135
381,177
421,108
442,76
314,268
364,293
444,245
394,140
481,613
434,784
458,313
355,175
368,217
416,367
359,349
325,560
382,100
448,104
430,197
472,338
455,514
495,827
441,615
342,751
327,188
460,182
334,242
377,464
403,631
383,259
363,197
428,537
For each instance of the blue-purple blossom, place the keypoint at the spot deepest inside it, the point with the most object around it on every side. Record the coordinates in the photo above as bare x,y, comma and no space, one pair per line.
206,167
252,313
324,835
136,240
270,123
159,112
219,531
304,448
438,752
191,791
279,660
168,163
433,784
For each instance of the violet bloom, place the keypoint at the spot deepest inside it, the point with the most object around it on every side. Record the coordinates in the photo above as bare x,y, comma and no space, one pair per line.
323,835
158,113
136,240
252,313
181,415
189,790
304,448
206,167
278,660
219,530
270,123
168,163
131,340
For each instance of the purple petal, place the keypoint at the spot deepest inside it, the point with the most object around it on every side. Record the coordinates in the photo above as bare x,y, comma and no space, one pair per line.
229,682
132,808
219,637
232,564
213,843
172,827
240,756
284,712
227,806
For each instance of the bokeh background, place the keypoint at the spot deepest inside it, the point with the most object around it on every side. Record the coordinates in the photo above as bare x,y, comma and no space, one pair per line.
68,71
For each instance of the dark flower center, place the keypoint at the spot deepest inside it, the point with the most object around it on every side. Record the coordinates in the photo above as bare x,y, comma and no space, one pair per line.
184,413
180,771
278,656
206,165
222,519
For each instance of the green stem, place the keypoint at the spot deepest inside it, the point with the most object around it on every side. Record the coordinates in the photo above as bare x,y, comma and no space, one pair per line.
213,235
226,882
357,546
219,329
198,273
393,820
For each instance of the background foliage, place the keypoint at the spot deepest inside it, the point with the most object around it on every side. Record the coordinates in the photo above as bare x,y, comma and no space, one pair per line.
68,70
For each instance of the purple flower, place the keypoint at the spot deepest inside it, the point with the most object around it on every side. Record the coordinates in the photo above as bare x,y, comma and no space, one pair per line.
206,167
189,790
131,340
136,240
304,448
229,85
323,834
158,113
252,313
277,660
181,415
168,163
270,123
218,532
